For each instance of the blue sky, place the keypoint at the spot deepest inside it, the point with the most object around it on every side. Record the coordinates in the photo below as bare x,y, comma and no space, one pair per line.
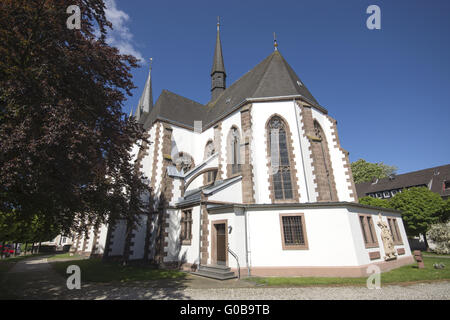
389,89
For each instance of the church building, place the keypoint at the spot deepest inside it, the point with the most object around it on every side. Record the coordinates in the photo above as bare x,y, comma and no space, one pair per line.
253,183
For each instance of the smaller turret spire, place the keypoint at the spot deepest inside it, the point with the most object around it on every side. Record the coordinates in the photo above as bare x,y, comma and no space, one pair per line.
218,75
146,101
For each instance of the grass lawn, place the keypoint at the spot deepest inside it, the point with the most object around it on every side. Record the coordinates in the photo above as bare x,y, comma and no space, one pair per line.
65,256
424,253
409,273
95,270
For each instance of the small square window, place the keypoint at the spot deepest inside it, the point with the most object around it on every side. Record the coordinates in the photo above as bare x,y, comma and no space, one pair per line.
293,231
186,227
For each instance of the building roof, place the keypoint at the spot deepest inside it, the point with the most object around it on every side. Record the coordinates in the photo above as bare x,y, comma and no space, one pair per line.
273,77
434,178
175,109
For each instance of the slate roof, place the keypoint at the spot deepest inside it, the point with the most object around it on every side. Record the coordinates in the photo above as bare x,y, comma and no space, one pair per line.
434,178
273,77
175,109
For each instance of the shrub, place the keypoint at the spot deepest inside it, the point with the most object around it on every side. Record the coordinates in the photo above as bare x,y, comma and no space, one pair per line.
440,234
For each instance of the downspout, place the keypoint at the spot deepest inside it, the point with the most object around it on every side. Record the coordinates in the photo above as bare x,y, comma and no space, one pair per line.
200,234
246,242
203,201
301,150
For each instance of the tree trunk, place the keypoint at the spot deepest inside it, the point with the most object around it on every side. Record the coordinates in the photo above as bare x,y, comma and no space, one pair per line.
26,246
108,241
148,230
126,249
15,249
39,247
426,241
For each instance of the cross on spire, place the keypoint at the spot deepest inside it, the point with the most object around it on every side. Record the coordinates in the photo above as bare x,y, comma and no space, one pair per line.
275,44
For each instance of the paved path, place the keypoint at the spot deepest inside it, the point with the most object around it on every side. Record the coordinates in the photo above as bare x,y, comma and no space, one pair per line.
35,279
32,278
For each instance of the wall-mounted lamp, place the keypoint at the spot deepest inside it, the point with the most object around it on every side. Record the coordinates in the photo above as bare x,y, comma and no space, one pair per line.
230,228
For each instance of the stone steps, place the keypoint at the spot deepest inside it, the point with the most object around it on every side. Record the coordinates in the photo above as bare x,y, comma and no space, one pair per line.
215,272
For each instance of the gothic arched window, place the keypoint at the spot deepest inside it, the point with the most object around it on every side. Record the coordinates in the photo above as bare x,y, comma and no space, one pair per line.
280,162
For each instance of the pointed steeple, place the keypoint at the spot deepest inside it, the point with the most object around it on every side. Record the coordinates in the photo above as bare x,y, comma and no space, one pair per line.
218,75
146,100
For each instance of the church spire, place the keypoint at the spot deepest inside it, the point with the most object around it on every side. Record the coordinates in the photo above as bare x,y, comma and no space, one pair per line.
146,100
218,75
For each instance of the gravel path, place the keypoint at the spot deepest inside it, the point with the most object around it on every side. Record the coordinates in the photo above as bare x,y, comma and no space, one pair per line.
35,279
424,291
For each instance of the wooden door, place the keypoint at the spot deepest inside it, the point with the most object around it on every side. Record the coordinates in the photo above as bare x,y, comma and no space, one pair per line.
221,244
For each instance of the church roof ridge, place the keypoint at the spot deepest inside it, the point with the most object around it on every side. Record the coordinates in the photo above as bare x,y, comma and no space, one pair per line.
271,78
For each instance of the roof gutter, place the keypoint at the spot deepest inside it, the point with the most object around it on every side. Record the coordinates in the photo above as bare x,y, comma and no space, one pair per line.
342,204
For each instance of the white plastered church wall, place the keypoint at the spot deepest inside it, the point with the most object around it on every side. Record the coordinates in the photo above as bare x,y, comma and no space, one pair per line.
176,251
102,239
118,241
232,193
310,185
159,162
139,239
336,157
147,161
323,228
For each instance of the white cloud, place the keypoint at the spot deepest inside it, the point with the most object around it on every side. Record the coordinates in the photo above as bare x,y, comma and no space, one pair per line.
120,36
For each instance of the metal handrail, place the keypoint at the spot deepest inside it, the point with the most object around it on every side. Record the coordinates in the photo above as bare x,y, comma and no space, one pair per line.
237,260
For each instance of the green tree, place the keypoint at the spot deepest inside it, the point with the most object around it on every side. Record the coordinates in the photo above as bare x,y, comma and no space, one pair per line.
364,171
375,202
420,208
444,215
